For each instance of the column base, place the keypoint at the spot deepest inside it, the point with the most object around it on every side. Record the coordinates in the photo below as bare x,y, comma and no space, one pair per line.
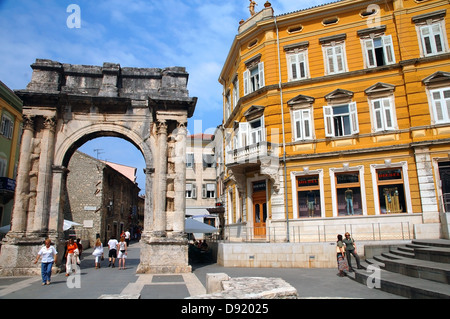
163,256
19,252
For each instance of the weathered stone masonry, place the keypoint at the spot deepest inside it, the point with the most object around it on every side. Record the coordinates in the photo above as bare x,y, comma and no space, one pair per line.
65,106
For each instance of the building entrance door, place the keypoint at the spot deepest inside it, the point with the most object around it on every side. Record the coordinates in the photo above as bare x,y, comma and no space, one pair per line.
259,209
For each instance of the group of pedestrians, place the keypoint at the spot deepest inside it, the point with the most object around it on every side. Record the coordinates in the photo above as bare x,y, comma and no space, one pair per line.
48,255
344,249
114,246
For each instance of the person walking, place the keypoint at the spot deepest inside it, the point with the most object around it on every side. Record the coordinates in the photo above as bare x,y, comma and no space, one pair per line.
112,245
123,250
48,254
98,252
70,257
350,248
127,237
340,254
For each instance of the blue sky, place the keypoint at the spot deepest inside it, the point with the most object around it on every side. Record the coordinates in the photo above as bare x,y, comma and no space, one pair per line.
196,34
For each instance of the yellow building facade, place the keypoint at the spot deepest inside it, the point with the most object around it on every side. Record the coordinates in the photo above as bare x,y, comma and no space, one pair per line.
337,118
10,134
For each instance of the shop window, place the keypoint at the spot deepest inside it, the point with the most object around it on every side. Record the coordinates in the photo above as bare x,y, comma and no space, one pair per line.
348,189
308,194
391,191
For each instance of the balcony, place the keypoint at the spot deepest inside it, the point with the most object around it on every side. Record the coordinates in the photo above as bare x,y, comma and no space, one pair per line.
252,154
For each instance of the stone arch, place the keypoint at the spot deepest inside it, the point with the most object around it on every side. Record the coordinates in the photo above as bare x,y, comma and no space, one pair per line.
78,138
67,105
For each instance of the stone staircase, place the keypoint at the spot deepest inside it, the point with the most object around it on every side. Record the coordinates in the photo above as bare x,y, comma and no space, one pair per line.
420,269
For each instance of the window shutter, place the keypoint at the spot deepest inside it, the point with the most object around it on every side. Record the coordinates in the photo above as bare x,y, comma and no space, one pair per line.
437,34
354,118
370,53
378,116
339,53
203,190
194,191
328,119
243,134
330,60
246,82
261,74
388,48
306,120
297,125
302,65
426,39
292,69
388,114
437,105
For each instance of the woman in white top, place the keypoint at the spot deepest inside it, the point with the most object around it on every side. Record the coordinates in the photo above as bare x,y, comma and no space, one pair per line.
98,252
48,254
122,252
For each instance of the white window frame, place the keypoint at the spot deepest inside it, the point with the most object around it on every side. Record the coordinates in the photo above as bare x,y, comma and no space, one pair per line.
433,29
444,105
302,124
190,164
254,78
382,109
296,61
7,126
307,172
332,58
369,51
207,192
191,190
330,130
246,135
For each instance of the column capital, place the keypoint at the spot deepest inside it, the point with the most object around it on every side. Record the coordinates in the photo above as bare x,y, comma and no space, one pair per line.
28,122
50,123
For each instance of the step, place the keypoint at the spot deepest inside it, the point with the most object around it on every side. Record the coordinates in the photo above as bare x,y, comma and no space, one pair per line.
402,252
432,242
403,285
417,268
434,254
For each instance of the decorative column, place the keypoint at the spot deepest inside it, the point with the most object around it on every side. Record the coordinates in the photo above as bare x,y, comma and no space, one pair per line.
180,181
43,193
159,221
21,200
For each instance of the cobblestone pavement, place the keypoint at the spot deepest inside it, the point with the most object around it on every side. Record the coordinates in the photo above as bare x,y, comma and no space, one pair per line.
107,282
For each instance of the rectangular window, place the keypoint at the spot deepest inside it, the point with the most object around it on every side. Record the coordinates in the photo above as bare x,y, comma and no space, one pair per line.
308,195
335,59
208,160
297,66
302,124
348,190
190,160
391,191
440,101
209,190
7,127
191,191
254,78
341,120
432,39
383,114
256,131
379,51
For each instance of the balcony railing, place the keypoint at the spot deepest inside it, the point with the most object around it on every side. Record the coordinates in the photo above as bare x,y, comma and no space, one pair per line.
250,153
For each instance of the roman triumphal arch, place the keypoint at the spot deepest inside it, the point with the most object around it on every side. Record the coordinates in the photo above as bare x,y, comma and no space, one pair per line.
65,106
